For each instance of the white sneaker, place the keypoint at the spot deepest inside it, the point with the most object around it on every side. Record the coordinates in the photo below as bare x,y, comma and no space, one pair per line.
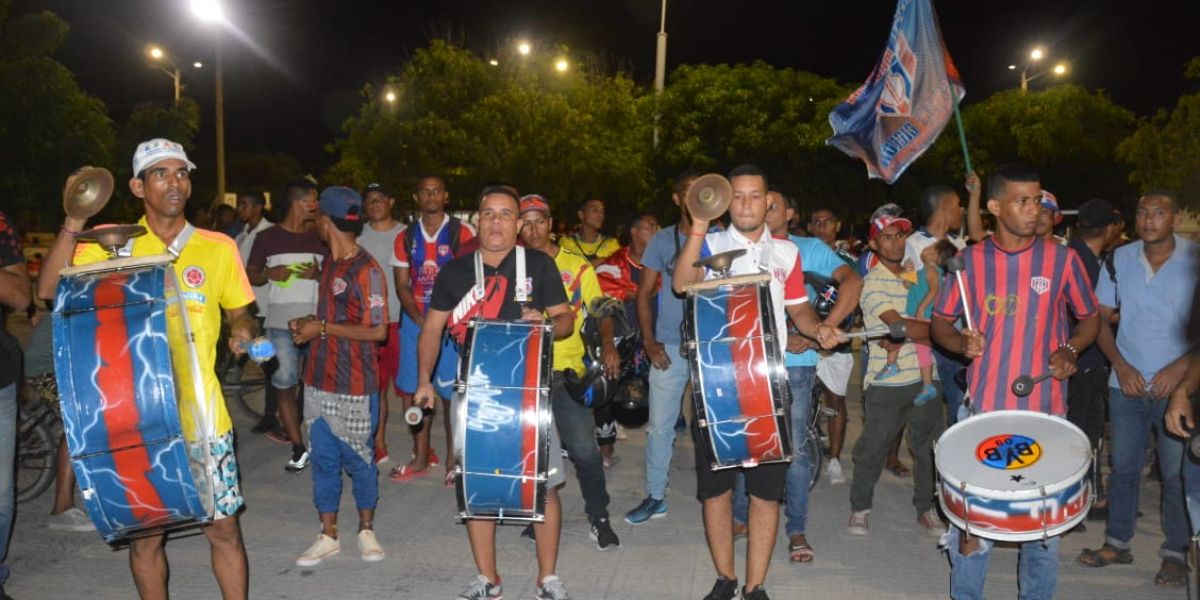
369,546
71,519
835,472
321,549
858,522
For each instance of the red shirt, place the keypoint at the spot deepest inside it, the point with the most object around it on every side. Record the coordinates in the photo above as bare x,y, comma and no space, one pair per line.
430,253
620,276
1019,301
351,291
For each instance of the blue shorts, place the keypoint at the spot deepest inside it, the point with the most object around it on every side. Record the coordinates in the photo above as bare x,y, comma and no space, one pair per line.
288,357
447,366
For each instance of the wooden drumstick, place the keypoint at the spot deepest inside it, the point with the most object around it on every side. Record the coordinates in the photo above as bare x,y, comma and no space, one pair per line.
898,330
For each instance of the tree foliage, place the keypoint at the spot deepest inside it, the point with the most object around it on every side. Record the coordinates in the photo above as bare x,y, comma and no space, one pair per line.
1070,135
49,125
568,136
1165,149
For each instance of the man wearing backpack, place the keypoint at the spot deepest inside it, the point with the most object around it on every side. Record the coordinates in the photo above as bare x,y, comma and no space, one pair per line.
420,252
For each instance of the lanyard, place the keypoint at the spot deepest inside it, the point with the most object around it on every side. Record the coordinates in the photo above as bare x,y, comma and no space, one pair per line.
521,289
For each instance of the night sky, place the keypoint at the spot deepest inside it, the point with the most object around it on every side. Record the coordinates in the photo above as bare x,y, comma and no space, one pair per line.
296,73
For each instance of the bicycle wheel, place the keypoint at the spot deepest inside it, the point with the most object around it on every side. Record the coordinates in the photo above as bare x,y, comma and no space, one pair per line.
36,452
816,454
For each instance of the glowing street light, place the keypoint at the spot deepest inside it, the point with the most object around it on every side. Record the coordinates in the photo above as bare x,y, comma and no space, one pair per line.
561,65
390,96
208,10
494,62
1060,69
524,48
155,52
1037,54
198,65
158,57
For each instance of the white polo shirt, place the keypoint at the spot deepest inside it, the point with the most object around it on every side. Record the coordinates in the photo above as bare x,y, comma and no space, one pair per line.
779,258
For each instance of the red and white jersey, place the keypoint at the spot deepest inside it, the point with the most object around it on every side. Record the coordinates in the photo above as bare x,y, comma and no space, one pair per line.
779,258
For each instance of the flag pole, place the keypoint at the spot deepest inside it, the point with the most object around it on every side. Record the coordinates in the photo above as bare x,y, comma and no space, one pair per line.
962,134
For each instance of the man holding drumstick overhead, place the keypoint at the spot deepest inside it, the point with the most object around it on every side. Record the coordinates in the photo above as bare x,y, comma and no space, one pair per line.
1018,290
765,483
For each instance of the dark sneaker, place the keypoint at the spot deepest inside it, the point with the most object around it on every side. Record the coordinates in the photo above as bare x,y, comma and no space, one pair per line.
528,534
650,508
604,536
724,589
299,460
265,424
758,593
481,589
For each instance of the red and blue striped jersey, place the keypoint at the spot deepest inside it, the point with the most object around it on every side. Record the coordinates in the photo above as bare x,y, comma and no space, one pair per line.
1019,301
351,291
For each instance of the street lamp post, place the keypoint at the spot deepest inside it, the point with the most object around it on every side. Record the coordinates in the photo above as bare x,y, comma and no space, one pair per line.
156,55
1036,55
660,64
211,11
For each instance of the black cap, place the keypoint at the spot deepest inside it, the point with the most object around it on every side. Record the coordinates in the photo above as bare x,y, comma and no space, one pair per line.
376,187
1096,213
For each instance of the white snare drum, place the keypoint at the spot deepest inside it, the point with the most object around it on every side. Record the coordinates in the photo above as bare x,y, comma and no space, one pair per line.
1014,475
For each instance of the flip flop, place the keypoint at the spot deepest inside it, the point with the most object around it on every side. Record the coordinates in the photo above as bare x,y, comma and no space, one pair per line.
405,473
1105,556
800,553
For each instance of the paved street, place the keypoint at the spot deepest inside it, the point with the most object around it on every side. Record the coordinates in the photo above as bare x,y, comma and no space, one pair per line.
666,559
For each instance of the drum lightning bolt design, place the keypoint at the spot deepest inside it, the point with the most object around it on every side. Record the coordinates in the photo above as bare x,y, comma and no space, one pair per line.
119,402
739,384
502,419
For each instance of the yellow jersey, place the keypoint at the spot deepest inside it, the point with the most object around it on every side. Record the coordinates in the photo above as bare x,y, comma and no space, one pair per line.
600,249
582,286
211,277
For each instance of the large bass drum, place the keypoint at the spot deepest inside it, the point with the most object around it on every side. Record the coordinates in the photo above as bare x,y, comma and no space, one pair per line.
739,382
1014,475
502,420
116,324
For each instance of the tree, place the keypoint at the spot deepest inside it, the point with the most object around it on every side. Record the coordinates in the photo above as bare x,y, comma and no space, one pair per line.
1068,134
1165,149
49,125
568,136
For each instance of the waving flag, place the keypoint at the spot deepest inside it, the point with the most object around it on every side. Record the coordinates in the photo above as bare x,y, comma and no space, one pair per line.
906,102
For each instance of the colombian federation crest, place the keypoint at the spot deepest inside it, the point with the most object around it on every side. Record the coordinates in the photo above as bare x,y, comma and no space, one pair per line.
193,276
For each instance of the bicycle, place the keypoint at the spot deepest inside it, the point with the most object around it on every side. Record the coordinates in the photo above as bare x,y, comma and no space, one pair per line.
817,440
37,449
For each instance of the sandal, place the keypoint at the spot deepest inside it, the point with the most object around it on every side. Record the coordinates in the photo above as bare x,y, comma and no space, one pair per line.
404,473
799,552
1106,555
899,469
1172,574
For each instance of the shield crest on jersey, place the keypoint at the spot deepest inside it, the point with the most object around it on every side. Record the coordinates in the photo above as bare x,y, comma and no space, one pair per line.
1039,284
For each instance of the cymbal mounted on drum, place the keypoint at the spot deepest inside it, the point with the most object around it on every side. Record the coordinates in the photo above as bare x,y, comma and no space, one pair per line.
709,197
86,193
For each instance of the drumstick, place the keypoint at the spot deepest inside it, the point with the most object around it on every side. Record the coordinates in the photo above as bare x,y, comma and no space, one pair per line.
1023,385
956,265
896,330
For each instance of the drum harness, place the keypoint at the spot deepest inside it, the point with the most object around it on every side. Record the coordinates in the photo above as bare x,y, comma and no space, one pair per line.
175,249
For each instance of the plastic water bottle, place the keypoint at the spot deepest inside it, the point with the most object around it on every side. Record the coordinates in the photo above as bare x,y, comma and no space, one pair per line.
259,349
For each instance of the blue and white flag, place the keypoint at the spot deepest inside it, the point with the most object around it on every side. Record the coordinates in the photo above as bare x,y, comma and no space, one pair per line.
906,102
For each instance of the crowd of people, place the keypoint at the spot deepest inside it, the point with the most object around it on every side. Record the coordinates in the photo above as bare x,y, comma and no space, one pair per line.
362,307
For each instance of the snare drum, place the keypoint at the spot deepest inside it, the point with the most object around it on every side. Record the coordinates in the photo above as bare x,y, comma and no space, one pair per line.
136,472
739,382
502,420
1014,475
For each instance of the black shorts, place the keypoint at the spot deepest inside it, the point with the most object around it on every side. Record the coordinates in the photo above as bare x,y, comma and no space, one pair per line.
766,482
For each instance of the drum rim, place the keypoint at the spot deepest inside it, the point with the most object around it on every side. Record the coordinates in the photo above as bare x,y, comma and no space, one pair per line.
1033,535
1022,494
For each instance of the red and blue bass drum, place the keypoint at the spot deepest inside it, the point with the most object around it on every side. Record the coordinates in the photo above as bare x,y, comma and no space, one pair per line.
502,420
739,382
136,471
1014,475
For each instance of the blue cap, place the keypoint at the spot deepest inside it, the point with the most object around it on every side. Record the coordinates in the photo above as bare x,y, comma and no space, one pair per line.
341,202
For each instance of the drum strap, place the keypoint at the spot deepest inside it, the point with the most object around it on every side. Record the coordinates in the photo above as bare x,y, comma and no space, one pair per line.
520,286
176,247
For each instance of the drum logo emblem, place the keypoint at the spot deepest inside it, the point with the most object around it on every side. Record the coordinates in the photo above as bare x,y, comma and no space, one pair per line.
1039,284
1008,451
193,276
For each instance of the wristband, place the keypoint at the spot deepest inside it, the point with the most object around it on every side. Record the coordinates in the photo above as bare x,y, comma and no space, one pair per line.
69,231
1072,349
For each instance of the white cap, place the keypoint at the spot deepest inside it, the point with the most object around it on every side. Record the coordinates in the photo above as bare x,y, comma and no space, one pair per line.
156,150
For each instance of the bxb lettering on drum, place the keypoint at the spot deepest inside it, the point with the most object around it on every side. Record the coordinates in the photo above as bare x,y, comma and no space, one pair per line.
1008,451
1001,305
